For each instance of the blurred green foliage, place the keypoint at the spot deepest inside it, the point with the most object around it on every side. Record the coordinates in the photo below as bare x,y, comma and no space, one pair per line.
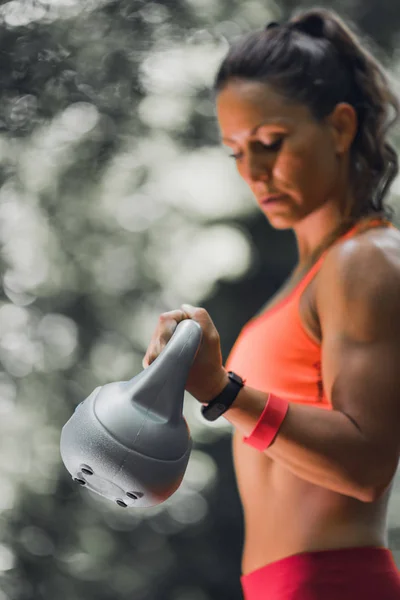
116,204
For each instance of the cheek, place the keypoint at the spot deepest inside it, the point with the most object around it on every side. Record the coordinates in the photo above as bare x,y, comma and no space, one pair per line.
306,167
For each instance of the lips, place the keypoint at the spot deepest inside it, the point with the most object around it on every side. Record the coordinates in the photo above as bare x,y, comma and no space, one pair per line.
272,198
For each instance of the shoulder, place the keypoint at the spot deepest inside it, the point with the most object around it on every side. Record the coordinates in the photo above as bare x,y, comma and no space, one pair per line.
368,256
361,274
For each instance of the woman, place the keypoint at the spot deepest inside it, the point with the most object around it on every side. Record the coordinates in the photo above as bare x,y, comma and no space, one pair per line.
305,110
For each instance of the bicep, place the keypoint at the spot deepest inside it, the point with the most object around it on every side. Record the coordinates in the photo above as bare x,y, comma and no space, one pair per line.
361,347
362,380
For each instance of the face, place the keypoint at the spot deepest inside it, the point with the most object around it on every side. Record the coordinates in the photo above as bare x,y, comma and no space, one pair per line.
280,149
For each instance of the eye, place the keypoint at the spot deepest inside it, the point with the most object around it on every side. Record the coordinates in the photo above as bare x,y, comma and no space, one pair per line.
274,147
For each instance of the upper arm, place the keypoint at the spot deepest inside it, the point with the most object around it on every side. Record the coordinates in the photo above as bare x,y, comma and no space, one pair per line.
358,304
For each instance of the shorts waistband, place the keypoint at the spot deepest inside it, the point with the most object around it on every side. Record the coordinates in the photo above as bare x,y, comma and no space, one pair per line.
359,559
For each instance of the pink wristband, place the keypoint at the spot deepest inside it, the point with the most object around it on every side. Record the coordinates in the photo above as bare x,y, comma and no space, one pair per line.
268,424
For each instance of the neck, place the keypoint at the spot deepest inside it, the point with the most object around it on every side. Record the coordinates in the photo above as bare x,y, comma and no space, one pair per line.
317,231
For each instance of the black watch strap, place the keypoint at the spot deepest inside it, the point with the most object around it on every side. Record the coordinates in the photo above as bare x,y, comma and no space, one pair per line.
220,404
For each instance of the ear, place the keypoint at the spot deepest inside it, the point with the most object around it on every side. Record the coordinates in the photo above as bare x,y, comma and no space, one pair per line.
343,122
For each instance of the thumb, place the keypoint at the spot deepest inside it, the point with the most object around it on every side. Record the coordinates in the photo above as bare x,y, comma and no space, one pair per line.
200,315
189,309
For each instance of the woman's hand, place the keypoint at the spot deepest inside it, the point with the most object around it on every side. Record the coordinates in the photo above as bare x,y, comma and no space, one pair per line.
207,377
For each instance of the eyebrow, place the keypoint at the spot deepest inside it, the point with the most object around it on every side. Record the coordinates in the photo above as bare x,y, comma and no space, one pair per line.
276,121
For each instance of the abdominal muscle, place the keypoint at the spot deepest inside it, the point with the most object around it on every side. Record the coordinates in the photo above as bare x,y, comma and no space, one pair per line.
286,515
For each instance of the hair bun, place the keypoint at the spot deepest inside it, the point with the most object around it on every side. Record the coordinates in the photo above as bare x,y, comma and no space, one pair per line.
272,25
313,25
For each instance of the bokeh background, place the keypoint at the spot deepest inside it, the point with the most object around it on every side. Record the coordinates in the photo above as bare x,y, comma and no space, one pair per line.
117,203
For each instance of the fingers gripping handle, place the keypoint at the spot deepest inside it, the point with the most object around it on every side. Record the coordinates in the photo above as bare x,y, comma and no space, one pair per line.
166,376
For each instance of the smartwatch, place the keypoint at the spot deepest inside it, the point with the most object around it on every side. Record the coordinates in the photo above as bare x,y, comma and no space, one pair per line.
220,404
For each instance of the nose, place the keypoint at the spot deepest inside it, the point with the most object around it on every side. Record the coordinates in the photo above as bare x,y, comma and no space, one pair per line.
256,167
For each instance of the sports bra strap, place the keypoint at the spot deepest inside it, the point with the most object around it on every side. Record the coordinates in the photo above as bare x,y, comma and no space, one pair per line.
358,227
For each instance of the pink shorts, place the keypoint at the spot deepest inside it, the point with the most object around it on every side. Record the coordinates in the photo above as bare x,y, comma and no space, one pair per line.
367,573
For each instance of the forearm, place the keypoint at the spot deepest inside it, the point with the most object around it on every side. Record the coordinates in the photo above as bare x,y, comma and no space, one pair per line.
320,446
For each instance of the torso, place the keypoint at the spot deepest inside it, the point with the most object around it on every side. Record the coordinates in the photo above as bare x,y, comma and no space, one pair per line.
286,515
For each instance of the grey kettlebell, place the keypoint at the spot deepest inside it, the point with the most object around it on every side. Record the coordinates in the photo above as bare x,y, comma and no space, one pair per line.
128,441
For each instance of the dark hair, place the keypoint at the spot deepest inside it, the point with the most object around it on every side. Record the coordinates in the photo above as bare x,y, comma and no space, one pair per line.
316,59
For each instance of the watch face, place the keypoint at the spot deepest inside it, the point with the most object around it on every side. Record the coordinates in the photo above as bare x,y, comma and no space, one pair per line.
235,377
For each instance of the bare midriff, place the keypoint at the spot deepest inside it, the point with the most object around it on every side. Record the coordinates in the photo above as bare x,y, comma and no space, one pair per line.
286,515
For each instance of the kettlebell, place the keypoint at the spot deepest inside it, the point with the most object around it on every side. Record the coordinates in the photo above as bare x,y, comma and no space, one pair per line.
129,441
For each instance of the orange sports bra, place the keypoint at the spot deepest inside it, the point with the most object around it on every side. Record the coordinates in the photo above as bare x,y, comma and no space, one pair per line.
275,354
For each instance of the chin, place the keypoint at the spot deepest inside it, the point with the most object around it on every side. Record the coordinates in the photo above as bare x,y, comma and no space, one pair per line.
283,214
282,221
